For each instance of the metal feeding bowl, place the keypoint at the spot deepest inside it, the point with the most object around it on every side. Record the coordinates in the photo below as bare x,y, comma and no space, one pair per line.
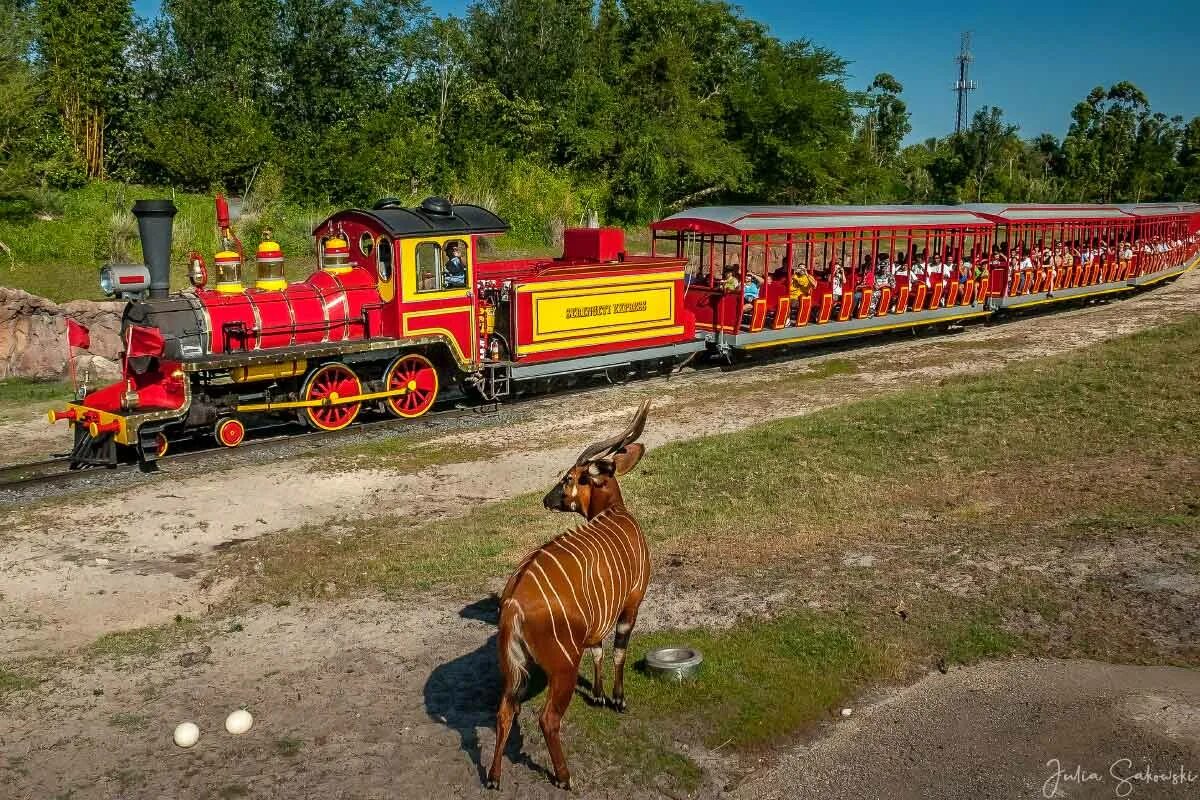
674,663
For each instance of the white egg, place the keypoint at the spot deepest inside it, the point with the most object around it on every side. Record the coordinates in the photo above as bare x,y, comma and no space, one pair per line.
239,721
186,734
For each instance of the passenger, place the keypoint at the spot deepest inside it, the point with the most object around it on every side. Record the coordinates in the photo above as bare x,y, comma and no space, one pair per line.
900,272
918,274
866,280
1026,267
884,277
935,274
456,267
753,288
800,288
1048,271
1066,266
729,279
980,273
837,280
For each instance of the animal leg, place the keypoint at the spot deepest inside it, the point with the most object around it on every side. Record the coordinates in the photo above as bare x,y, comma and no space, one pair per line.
625,623
561,690
511,655
509,708
598,695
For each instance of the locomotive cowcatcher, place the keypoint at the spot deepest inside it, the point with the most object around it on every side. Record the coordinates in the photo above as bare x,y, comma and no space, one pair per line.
399,311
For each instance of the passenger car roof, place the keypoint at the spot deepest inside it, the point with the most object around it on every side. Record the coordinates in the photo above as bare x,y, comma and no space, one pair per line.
763,219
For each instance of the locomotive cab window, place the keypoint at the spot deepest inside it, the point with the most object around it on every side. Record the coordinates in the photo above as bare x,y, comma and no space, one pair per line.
383,254
429,267
441,267
454,264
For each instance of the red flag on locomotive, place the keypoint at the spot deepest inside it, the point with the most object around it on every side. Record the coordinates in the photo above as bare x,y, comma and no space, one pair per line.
77,335
144,342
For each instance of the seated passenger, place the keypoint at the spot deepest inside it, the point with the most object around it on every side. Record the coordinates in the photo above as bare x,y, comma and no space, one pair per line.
900,272
456,267
918,274
1048,270
729,279
1025,264
751,291
837,278
934,273
801,286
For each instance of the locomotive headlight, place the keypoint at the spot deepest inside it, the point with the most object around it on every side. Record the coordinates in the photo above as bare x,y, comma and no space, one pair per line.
128,281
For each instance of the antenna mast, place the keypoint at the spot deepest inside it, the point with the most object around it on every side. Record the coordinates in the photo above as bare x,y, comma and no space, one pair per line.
963,84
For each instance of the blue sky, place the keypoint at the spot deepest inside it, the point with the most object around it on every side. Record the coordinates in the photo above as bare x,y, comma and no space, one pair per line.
1034,60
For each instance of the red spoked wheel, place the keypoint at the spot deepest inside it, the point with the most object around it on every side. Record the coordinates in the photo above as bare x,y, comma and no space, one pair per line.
417,376
332,382
161,445
229,432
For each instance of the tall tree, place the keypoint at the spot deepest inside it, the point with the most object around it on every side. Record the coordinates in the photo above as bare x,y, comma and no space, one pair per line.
82,44
1100,143
887,121
980,148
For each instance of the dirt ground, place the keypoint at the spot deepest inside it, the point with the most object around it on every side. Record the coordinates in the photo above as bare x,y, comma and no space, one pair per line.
1026,729
365,698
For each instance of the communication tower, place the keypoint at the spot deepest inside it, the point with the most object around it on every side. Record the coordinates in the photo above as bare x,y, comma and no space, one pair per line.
963,84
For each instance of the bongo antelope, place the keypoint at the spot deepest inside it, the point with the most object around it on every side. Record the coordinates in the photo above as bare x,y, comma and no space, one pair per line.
566,596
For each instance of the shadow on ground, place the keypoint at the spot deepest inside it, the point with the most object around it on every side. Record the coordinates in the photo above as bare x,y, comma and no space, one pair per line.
464,693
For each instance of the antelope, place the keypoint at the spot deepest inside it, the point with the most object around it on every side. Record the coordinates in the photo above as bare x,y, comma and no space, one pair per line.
566,596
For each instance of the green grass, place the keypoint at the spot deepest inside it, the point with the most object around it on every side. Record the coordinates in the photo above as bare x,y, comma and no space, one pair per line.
402,454
763,680
20,391
288,746
144,643
59,258
14,681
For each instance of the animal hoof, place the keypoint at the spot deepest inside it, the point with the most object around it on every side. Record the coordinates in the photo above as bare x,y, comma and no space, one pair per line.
618,704
492,783
563,783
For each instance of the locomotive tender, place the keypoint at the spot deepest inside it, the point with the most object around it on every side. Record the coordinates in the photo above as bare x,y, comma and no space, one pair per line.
401,309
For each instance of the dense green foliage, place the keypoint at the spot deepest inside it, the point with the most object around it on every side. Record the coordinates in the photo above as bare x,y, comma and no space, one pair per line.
545,110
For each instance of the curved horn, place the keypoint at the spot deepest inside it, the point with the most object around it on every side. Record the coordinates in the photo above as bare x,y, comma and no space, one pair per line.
615,443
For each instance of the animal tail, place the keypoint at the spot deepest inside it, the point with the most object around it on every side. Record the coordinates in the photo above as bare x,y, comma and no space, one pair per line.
514,659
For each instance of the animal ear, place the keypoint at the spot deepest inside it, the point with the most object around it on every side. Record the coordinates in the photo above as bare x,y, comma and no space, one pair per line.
628,457
601,467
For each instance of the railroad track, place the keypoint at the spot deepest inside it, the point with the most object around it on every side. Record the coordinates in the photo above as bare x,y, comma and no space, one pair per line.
58,470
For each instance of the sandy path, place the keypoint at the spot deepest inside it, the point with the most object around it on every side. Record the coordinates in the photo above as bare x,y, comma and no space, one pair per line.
1008,730
75,570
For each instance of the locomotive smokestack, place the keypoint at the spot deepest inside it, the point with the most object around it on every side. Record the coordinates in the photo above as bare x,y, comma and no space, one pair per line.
155,218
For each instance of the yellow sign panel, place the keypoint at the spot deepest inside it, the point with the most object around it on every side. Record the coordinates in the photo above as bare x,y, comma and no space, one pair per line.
570,313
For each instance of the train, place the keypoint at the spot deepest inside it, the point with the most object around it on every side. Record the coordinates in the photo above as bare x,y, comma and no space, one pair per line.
403,309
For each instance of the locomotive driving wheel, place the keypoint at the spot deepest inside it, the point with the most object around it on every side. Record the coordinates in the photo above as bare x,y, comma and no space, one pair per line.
332,381
417,376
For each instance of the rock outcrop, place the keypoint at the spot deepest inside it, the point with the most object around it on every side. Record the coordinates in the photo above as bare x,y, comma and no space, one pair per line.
33,337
